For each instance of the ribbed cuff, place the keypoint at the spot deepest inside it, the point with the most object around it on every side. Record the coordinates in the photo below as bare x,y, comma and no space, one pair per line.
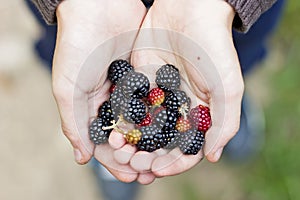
248,11
47,9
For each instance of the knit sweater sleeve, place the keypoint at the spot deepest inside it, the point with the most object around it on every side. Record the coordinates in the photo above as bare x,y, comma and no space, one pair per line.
248,11
47,9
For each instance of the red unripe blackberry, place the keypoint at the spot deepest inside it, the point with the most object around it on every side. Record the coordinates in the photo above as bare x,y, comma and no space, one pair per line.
112,88
183,125
146,121
156,96
201,118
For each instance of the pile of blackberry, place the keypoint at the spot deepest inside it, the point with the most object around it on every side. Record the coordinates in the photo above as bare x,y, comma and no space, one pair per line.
162,117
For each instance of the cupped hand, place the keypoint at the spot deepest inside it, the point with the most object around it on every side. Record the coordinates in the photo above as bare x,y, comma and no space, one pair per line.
91,34
195,36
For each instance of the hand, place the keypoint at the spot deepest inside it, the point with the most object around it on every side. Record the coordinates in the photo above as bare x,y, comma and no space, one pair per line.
196,37
86,44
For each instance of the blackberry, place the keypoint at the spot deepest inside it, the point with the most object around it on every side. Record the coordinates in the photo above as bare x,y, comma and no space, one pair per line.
160,138
151,140
159,117
117,100
178,102
96,132
201,117
171,102
135,85
171,120
168,77
183,124
105,112
171,138
117,69
191,142
133,136
135,111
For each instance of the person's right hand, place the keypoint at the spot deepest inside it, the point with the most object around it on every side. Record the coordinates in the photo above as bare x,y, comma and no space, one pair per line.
87,41
196,37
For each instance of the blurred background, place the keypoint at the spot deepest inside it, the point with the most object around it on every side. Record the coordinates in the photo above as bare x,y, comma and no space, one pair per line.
37,161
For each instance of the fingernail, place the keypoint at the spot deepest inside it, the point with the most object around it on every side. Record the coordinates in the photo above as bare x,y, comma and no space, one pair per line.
218,153
77,155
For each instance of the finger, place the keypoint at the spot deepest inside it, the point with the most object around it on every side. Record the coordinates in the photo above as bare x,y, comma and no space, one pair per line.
174,163
142,161
124,154
124,173
116,140
146,178
225,112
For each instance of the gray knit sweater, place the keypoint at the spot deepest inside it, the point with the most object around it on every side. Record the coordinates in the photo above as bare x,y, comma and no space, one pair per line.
247,11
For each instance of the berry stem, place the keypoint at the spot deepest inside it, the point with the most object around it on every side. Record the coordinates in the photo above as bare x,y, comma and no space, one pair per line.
183,110
115,125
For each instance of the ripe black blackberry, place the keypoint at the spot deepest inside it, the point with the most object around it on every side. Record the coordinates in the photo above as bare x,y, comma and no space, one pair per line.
168,78
117,100
172,137
135,84
191,142
159,117
135,111
160,138
171,120
105,112
96,132
147,142
171,102
117,69
177,101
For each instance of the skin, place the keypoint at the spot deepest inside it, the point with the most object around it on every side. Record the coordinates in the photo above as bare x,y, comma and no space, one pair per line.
84,26
199,30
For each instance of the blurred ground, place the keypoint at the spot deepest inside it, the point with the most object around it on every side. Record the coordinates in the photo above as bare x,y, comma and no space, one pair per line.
37,161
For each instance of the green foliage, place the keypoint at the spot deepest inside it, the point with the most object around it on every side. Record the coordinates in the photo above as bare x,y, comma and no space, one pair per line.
276,174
